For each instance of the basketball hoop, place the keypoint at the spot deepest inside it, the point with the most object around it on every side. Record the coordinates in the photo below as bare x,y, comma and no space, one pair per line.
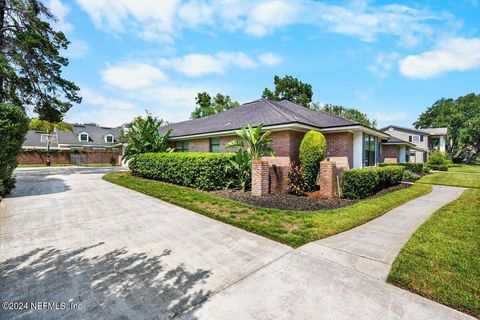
48,138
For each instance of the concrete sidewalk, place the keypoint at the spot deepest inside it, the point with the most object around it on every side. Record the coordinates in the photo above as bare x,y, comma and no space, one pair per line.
372,247
341,277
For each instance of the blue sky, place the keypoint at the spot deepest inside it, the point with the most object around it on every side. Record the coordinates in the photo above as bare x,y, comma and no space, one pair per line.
391,60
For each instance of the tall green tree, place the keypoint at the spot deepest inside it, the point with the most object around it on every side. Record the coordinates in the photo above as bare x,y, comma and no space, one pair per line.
30,60
462,117
347,113
49,128
291,89
206,106
13,127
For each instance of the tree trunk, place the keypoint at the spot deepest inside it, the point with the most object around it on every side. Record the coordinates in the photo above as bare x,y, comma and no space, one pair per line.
2,22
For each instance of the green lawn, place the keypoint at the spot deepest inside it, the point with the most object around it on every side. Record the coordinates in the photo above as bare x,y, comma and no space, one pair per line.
452,179
465,168
441,261
294,228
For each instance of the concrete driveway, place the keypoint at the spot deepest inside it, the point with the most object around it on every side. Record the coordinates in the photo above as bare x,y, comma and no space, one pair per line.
68,236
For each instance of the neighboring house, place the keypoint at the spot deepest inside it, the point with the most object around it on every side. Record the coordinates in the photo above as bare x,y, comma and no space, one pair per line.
424,141
350,144
85,138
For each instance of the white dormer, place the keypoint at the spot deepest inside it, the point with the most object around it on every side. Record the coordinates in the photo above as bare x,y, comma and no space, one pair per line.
83,136
109,138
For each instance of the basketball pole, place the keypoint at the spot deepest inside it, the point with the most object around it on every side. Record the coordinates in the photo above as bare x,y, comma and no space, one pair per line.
48,152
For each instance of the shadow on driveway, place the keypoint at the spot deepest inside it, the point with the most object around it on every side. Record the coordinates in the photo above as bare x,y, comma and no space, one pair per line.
118,284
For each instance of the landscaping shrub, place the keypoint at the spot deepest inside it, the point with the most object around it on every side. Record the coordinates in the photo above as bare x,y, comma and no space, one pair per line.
313,149
296,182
438,158
363,182
410,176
418,168
13,127
206,171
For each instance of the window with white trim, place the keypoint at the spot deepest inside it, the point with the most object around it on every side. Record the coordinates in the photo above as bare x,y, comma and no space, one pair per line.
109,138
415,138
83,137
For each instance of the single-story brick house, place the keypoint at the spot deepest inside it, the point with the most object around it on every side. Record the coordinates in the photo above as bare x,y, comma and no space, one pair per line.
87,144
350,144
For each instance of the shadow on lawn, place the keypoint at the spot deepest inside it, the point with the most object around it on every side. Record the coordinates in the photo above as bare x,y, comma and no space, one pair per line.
115,285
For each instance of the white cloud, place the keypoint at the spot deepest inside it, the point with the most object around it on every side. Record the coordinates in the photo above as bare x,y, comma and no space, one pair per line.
102,110
383,64
77,49
453,54
165,20
196,64
60,11
269,15
132,75
93,98
270,59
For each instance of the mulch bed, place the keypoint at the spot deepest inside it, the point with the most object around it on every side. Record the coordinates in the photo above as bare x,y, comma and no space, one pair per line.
285,201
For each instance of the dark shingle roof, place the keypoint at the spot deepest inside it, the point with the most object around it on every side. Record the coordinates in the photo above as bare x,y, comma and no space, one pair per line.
260,111
96,134
33,139
395,140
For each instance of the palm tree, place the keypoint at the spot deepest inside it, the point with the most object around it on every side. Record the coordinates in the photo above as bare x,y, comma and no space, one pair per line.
253,146
49,127
256,143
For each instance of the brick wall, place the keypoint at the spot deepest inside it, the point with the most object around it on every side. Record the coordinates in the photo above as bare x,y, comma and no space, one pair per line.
327,179
279,178
260,178
340,148
199,145
64,158
389,153
41,158
286,145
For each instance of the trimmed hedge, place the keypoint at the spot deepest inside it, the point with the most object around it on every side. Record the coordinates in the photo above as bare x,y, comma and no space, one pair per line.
313,149
363,182
418,168
13,128
206,171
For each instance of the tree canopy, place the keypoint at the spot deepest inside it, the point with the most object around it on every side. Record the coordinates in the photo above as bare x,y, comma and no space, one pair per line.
291,89
142,135
462,117
30,60
347,113
206,106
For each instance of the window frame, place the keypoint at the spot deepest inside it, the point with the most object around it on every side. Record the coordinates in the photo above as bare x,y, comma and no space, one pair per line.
183,146
416,136
214,144
369,152
108,136
81,134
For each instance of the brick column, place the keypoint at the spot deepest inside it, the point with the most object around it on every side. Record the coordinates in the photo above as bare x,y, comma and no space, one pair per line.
328,179
260,178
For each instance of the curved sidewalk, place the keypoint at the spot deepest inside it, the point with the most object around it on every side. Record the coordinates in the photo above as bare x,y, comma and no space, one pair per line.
372,247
